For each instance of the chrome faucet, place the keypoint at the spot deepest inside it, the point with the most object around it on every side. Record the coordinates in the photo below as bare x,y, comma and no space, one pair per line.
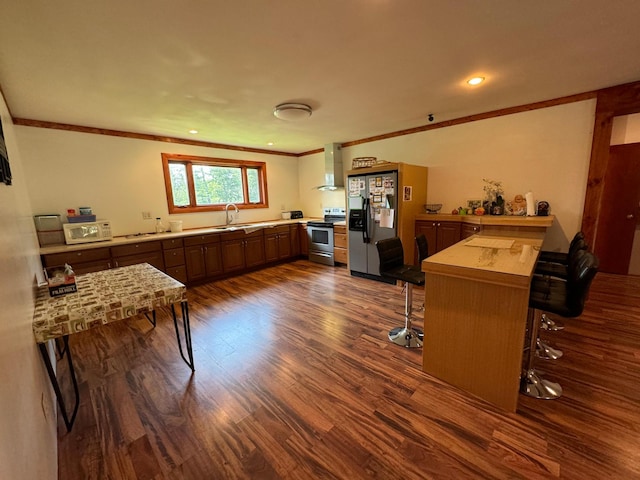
226,209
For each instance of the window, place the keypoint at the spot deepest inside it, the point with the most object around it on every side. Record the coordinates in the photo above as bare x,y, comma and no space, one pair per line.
201,184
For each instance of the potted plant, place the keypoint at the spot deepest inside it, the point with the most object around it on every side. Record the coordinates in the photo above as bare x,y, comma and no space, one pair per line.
494,202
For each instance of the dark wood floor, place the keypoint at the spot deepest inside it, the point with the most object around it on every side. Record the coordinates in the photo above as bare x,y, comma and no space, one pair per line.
295,379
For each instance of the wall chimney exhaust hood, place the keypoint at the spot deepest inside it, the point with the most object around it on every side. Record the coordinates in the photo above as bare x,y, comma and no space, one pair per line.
333,171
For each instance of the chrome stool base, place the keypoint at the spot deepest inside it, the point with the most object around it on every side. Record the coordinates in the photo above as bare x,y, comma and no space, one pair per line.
547,323
546,351
533,385
407,337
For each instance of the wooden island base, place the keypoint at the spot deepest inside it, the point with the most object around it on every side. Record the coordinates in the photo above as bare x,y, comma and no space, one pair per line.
476,303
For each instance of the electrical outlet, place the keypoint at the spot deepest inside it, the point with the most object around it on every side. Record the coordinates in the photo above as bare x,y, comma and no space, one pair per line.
146,215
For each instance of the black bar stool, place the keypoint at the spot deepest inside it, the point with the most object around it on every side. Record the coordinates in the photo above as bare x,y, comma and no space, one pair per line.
564,298
392,266
557,270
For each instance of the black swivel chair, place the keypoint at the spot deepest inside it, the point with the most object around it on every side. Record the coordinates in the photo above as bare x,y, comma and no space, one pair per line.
556,264
562,297
423,248
560,269
423,252
392,266
560,257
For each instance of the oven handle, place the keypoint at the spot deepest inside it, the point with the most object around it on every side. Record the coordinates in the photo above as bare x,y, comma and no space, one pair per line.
365,225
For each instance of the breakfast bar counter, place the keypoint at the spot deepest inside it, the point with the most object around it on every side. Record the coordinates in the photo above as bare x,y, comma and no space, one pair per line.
476,302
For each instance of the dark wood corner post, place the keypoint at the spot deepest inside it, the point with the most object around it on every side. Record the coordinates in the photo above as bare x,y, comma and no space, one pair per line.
611,102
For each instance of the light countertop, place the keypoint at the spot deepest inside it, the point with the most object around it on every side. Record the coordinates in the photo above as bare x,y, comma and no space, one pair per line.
148,237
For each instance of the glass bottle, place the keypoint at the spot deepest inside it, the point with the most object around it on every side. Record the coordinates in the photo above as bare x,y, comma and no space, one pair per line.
159,226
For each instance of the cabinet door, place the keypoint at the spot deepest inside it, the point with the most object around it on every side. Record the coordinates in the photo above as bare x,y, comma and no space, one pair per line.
430,230
270,247
448,234
174,257
468,230
295,240
194,260
232,255
90,267
284,245
179,273
213,259
304,240
254,251
152,258
97,256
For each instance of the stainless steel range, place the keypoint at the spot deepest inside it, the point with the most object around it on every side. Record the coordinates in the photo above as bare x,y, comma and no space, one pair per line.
320,233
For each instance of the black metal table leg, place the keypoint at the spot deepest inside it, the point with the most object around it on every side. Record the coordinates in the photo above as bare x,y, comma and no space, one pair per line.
152,320
187,333
56,387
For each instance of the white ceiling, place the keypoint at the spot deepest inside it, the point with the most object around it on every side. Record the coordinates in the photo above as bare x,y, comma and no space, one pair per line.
367,67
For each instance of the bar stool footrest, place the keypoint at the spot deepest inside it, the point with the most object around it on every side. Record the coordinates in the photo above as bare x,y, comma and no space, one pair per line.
407,337
533,385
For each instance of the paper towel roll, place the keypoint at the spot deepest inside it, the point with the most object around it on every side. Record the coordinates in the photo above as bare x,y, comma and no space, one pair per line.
531,208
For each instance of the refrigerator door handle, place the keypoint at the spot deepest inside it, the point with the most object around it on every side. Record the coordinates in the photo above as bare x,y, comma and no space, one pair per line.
365,225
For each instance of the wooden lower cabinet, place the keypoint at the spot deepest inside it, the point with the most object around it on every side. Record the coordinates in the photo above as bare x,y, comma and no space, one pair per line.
340,253
242,250
82,261
277,243
304,239
174,260
439,234
193,257
295,240
134,253
468,230
203,256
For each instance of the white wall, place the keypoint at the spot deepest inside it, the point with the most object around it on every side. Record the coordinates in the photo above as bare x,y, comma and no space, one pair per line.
122,177
546,151
311,176
28,442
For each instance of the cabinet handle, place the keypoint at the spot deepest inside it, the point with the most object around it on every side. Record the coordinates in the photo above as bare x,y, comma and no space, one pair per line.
205,249
79,254
108,264
438,225
116,262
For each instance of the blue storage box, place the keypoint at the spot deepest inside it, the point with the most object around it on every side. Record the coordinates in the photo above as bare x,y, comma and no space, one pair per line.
81,218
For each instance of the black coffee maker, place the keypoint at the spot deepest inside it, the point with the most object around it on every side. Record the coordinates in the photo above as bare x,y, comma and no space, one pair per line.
543,209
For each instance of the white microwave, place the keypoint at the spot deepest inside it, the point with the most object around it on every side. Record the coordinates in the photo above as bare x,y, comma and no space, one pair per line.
87,232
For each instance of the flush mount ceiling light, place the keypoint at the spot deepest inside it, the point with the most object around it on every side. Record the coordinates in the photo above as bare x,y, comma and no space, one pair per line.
193,131
475,81
292,111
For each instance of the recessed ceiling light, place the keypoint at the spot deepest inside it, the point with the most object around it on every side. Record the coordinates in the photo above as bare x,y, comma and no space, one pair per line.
193,131
292,111
475,80
269,143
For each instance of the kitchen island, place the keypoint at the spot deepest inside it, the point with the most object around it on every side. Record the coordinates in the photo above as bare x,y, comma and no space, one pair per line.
476,302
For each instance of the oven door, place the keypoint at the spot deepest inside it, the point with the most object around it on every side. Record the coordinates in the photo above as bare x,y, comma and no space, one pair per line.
320,244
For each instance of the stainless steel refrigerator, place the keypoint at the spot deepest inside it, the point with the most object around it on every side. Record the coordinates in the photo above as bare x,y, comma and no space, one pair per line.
372,215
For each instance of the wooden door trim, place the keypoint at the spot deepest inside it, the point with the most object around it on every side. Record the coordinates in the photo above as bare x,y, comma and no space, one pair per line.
610,102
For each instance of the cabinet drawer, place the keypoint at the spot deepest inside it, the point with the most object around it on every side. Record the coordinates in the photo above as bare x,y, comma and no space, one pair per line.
135,248
340,240
201,239
173,243
179,273
340,255
174,257
79,256
340,229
